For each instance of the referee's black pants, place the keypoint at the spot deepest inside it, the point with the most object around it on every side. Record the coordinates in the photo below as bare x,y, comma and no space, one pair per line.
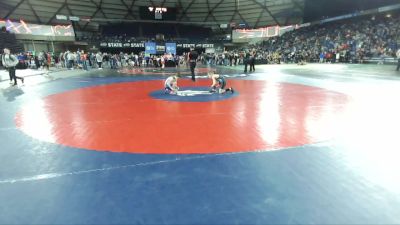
11,72
192,67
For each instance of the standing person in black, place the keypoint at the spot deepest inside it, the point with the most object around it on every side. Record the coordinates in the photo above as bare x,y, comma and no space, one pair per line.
398,59
252,61
193,55
246,61
235,58
9,62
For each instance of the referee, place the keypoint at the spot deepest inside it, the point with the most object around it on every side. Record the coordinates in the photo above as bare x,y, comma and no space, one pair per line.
193,55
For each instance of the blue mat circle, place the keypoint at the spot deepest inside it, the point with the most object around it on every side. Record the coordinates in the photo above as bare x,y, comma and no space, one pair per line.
193,94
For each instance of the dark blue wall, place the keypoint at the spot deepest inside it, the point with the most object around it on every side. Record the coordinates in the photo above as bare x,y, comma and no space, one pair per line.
318,9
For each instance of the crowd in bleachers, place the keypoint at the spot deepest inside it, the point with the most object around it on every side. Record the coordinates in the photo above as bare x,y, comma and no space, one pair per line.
98,60
351,41
126,38
132,32
342,41
348,41
8,40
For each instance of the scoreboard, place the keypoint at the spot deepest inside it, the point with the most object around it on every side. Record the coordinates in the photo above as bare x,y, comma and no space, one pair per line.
157,13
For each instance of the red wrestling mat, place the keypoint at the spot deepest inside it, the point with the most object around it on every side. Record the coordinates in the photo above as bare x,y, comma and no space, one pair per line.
122,117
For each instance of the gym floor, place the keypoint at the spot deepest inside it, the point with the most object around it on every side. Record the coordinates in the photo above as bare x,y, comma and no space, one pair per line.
313,144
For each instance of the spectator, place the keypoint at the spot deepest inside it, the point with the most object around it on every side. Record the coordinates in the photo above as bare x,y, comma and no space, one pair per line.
99,60
398,59
9,62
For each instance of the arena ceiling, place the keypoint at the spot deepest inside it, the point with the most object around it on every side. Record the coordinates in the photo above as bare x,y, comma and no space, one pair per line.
255,13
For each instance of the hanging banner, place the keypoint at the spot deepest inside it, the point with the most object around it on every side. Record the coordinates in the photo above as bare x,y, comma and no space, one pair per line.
160,49
26,28
187,45
239,34
170,48
210,50
150,48
122,45
153,46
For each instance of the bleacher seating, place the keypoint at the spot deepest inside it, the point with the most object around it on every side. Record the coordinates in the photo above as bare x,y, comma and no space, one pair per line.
150,30
8,40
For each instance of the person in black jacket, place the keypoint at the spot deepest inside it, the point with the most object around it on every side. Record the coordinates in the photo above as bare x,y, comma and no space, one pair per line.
193,55
246,60
252,61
